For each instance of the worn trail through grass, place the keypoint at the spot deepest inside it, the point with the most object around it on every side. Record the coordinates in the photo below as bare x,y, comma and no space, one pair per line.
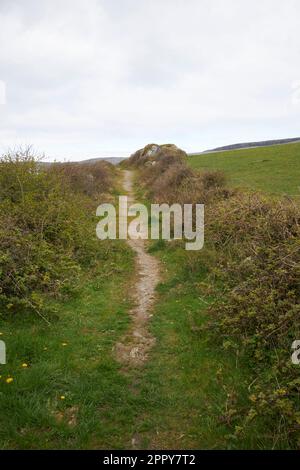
133,349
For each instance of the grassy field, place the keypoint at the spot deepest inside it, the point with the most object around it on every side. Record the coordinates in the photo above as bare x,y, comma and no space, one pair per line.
273,169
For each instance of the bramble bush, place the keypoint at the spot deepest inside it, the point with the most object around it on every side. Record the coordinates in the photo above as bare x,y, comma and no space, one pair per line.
170,181
47,230
258,312
92,179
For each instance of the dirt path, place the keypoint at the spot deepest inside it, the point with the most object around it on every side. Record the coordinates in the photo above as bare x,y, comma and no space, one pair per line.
134,347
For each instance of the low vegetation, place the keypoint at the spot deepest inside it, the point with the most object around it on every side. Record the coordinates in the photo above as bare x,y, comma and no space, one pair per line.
252,264
46,234
256,312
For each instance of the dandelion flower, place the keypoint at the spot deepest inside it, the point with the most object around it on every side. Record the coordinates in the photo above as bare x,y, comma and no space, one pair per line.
9,380
64,344
62,397
24,365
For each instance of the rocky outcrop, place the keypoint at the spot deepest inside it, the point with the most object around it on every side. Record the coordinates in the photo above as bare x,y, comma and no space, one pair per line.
152,153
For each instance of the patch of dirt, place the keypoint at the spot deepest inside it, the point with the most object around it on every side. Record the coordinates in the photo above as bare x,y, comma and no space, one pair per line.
68,416
135,345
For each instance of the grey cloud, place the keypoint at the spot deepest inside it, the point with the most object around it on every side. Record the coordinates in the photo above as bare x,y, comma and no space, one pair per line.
107,76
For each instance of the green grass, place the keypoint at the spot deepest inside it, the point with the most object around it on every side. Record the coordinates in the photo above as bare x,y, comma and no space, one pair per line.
274,169
73,359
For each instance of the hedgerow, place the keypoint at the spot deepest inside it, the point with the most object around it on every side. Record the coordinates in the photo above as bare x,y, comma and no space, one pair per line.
47,231
258,313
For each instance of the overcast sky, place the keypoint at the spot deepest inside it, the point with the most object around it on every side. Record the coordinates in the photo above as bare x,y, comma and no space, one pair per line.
89,78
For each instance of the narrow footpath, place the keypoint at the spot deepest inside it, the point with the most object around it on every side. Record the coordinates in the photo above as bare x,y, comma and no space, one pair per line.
133,349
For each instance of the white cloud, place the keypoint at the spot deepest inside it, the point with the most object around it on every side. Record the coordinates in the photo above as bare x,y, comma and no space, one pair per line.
87,78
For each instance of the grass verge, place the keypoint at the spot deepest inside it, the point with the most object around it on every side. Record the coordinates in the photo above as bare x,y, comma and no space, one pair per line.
67,391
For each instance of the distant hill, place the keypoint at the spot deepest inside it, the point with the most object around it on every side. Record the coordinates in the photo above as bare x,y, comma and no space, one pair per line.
113,160
247,145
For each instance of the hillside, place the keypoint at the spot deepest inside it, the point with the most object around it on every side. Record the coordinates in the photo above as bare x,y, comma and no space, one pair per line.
91,161
246,145
274,169
113,160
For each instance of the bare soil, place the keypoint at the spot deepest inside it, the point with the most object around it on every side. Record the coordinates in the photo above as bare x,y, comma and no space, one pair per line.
134,347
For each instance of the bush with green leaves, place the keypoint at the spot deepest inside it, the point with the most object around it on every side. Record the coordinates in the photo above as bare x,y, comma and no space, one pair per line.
47,233
257,313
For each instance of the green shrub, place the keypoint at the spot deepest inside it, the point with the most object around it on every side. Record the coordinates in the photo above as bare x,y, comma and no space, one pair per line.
47,231
91,179
258,313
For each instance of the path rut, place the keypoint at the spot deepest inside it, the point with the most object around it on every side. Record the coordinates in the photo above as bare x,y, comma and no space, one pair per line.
134,347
